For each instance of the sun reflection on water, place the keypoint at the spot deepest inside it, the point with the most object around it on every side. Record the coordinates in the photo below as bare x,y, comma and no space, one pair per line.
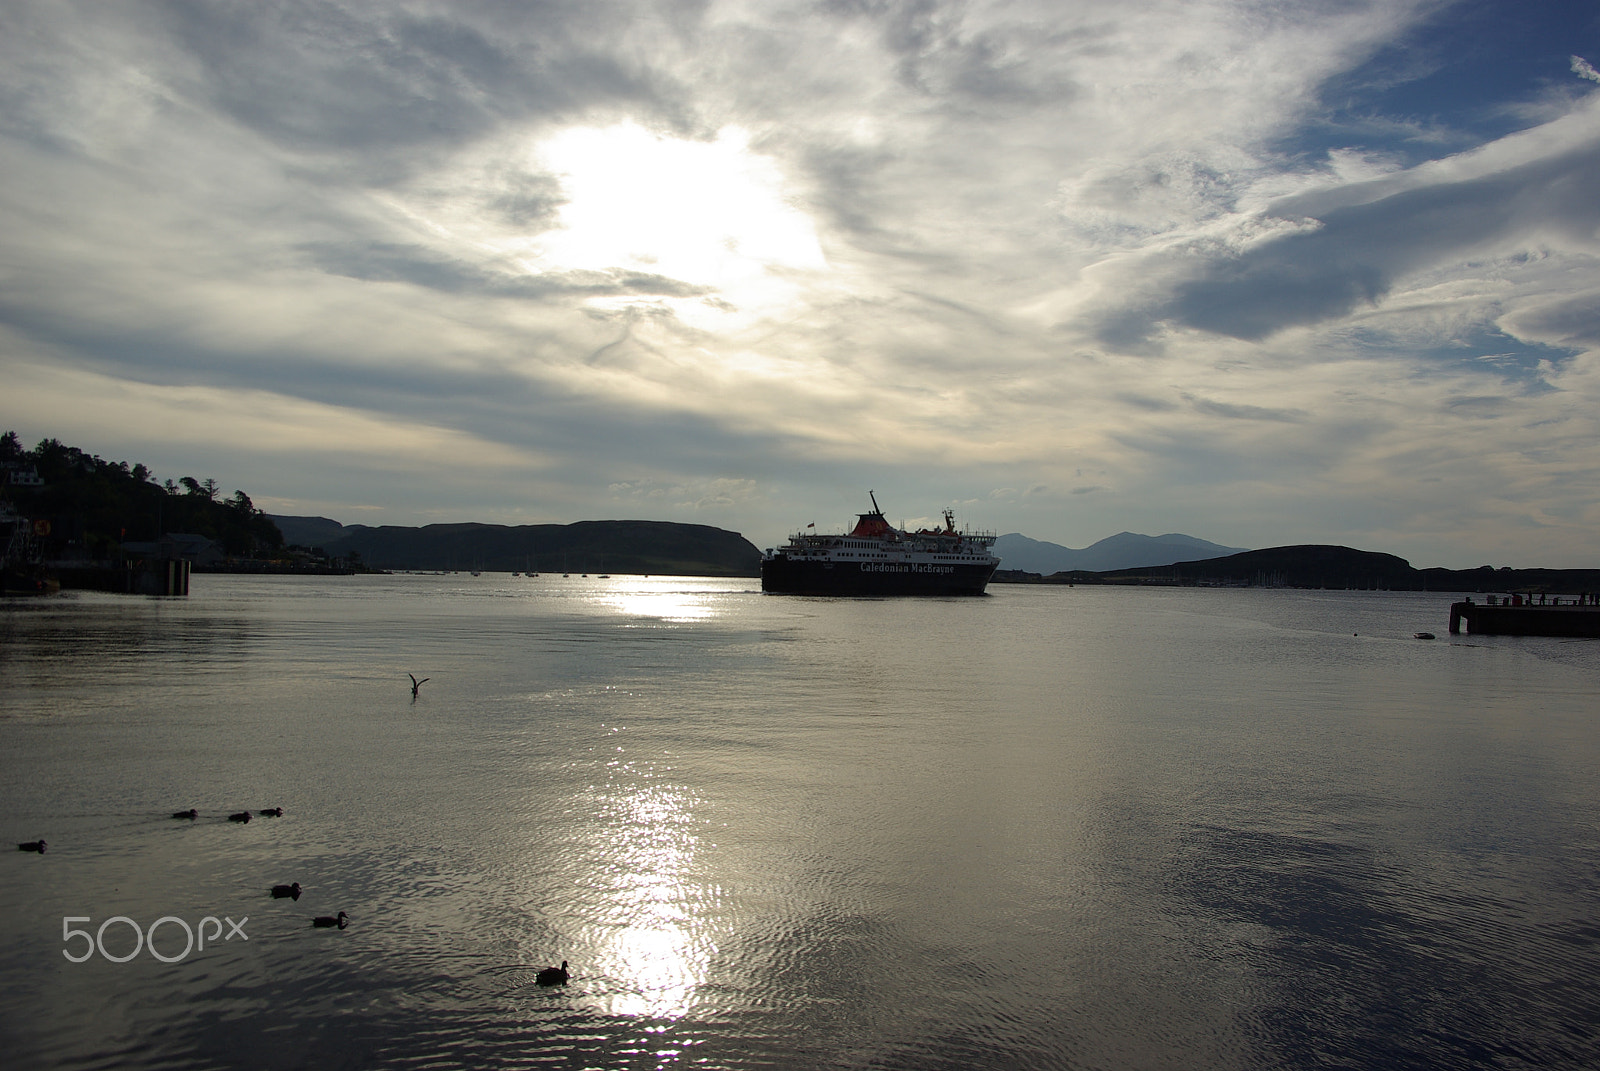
651,941
671,599
626,885
676,606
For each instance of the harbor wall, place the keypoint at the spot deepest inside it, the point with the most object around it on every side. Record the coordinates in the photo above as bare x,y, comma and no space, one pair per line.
164,576
1485,620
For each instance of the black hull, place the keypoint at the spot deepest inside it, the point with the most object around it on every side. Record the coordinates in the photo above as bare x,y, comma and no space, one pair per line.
780,576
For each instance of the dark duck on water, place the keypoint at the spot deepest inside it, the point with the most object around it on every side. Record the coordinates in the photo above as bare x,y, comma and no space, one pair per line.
280,891
32,846
323,922
552,975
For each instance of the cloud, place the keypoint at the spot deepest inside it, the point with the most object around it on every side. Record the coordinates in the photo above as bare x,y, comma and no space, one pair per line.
1231,411
698,496
384,88
1574,320
1355,252
1241,270
421,266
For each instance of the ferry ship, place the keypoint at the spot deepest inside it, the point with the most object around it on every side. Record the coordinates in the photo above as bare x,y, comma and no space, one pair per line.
876,558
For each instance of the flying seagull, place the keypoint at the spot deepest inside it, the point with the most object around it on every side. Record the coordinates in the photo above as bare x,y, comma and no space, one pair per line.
416,685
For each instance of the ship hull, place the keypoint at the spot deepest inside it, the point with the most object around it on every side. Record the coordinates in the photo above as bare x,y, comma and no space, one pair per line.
784,576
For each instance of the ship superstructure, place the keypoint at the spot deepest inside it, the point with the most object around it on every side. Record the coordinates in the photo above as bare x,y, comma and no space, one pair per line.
876,558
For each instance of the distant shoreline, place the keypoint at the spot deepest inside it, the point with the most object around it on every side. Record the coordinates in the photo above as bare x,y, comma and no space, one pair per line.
1324,567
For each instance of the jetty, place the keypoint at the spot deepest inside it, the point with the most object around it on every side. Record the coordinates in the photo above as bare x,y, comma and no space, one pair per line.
1517,615
132,576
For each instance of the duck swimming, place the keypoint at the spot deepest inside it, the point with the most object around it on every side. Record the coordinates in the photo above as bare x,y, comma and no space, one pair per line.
280,891
271,812
190,814
552,975
242,816
32,846
325,921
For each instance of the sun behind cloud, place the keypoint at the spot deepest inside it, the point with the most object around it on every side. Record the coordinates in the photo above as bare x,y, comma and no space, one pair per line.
708,213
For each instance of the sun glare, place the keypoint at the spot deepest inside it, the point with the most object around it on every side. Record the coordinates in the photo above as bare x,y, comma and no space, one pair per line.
658,950
708,213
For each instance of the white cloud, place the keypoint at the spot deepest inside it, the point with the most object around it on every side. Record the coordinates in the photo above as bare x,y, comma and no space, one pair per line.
1113,255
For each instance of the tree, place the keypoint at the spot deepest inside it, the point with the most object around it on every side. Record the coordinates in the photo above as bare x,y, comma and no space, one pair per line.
100,504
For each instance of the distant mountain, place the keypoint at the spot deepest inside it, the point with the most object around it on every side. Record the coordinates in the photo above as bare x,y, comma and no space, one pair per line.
1323,566
311,531
1125,550
655,547
1308,566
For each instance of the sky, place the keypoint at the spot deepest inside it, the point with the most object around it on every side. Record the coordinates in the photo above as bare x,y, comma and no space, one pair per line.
1265,273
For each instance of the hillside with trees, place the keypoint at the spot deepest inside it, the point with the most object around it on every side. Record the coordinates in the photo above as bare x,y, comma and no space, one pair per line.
67,505
83,506
651,547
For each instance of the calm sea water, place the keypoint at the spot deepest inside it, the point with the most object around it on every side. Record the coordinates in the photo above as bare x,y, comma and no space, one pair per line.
1050,828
